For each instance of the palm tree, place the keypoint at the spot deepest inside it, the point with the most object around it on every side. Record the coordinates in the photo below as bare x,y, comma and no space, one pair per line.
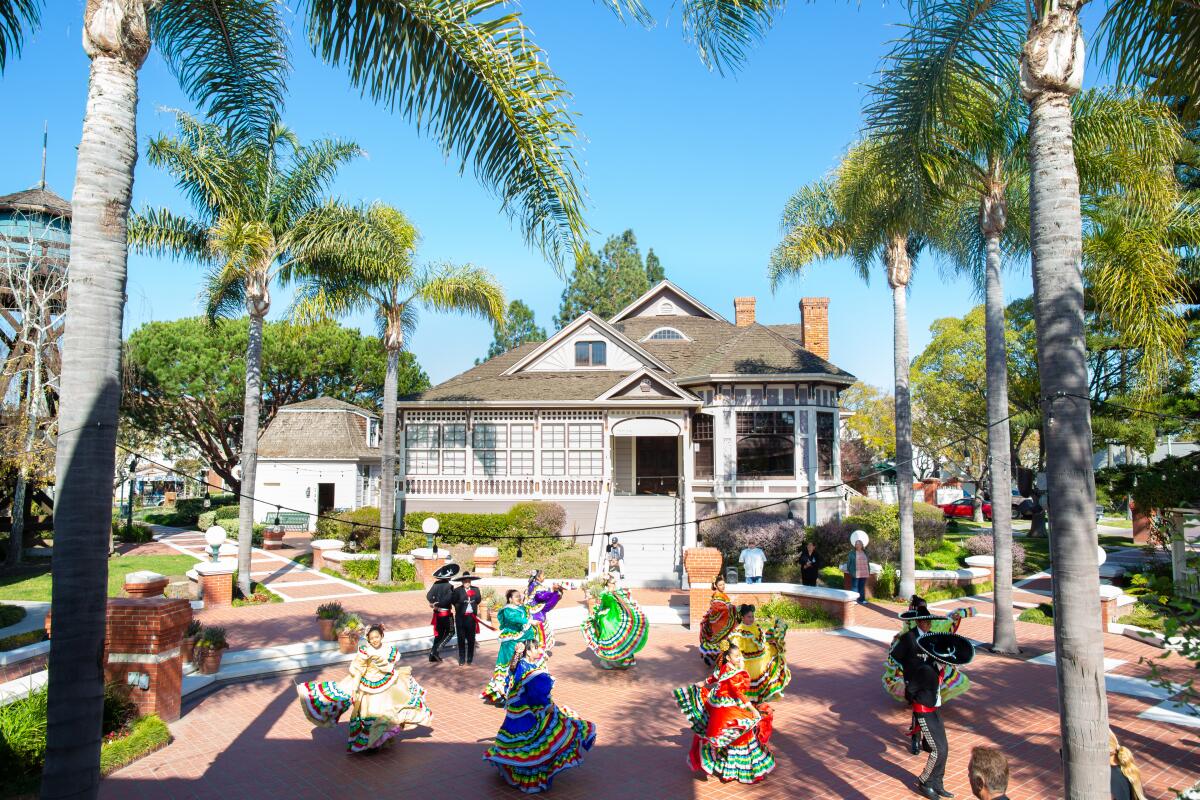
261,216
392,288
951,104
868,215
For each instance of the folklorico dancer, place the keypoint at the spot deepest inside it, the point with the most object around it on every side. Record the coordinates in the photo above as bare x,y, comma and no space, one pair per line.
382,697
719,621
731,732
512,625
617,628
917,618
466,599
924,675
765,653
440,597
541,602
538,739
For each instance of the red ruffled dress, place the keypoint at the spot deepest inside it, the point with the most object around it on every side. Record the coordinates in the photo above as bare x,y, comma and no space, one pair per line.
732,733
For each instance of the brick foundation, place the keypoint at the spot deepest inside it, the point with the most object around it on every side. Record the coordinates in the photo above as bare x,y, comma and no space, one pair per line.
143,635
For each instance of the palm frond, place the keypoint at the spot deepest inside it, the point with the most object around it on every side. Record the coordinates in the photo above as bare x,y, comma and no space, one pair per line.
724,30
464,289
230,57
159,232
224,294
477,83
813,230
206,169
313,168
631,8
17,17
1156,43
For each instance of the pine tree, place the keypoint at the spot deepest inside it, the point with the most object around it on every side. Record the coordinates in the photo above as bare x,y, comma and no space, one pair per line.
519,327
606,282
654,269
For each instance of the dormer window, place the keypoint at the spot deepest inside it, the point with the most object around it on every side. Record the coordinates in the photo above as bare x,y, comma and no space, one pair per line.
591,354
372,433
666,335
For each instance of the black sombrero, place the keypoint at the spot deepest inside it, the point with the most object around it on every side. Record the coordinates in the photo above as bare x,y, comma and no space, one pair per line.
920,612
445,573
948,648
467,576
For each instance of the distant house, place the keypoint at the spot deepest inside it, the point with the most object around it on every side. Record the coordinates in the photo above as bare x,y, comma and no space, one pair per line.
664,414
317,456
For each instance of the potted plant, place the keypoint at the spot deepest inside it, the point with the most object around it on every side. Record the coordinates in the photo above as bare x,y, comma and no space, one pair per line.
489,602
327,617
210,646
187,645
349,631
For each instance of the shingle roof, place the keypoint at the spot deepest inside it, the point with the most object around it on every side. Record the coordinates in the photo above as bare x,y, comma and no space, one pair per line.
716,348
36,199
308,430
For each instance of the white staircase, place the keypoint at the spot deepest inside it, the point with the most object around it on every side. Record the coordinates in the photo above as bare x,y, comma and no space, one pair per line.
652,557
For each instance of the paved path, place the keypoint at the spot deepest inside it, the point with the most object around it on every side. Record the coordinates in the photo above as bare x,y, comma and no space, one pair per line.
836,735
292,581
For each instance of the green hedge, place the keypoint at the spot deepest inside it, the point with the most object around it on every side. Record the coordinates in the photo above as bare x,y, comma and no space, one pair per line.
10,615
366,570
138,533
147,735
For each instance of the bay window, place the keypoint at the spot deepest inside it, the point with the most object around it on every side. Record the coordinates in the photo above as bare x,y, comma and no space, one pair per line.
766,446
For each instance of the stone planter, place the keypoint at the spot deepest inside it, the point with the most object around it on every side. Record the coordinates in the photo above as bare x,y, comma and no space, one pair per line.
209,661
486,559
144,584
348,641
273,539
328,634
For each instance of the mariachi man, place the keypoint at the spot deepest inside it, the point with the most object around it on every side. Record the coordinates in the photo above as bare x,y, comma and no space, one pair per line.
924,690
905,651
466,617
441,598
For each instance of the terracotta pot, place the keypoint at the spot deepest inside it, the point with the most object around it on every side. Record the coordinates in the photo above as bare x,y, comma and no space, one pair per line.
187,648
273,539
328,634
210,661
347,641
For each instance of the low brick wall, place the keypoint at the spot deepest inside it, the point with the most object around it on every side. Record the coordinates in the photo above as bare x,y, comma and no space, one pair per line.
836,603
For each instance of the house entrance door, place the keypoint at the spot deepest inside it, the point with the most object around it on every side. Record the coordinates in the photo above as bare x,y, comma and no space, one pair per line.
324,497
657,465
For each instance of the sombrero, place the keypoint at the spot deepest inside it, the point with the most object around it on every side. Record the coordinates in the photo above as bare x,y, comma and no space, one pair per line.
467,576
445,573
859,536
920,612
949,648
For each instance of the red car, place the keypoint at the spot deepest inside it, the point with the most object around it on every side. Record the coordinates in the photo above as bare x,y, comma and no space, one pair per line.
965,509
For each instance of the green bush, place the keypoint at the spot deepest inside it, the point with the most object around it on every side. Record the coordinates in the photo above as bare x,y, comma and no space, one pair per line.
23,734
535,518
1144,615
147,735
206,520
10,615
797,615
119,708
366,570
887,583
138,533
568,561
1043,614
21,640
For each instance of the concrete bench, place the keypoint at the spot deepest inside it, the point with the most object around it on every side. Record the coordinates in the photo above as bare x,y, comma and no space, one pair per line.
927,579
839,603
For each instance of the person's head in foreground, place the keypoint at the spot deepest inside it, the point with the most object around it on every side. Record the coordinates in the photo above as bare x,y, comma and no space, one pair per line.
988,773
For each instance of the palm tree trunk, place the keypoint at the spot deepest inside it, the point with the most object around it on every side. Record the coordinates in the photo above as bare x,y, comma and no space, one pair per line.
387,469
250,406
1051,72
16,537
1004,634
899,269
115,38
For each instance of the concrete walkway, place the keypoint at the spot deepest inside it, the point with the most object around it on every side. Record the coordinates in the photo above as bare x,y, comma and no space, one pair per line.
289,579
35,617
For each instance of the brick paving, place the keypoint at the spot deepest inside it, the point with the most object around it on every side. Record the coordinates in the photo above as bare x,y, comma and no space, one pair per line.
837,733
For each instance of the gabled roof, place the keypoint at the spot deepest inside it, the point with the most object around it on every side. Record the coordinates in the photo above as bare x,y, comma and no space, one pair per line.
307,430
658,289
588,317
656,378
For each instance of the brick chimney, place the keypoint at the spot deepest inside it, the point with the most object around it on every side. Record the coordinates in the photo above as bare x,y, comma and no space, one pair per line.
743,311
814,319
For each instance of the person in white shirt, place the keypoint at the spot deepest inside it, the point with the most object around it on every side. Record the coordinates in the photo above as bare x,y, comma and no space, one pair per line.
752,560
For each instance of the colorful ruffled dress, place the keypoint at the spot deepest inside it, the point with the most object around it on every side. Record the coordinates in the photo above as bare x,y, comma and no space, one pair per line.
512,622
719,621
616,630
954,680
537,739
539,604
765,654
382,698
732,733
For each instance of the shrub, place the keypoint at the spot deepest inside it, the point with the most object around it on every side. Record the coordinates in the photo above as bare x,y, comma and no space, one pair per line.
23,733
147,735
193,629
366,570
359,528
567,561
138,533
887,582
798,616
119,708
1043,614
881,521
10,615
983,544
211,637
538,517
349,623
779,537
21,640
206,520
331,610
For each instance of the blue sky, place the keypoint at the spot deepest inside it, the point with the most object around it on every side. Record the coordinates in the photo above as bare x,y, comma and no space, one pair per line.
699,166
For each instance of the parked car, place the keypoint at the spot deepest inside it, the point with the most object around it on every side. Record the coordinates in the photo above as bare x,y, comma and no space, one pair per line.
964,508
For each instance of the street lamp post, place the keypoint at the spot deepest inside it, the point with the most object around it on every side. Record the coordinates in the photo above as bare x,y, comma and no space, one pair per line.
129,509
431,525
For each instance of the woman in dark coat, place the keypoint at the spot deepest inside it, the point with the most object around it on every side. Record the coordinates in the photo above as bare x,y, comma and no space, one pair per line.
810,564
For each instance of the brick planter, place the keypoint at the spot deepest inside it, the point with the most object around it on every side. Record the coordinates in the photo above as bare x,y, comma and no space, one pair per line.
144,635
273,539
1141,525
702,564
320,547
426,562
216,583
485,560
144,584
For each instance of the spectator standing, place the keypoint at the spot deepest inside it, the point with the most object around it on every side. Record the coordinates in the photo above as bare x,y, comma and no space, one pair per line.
810,564
616,557
752,560
988,773
1125,779
858,564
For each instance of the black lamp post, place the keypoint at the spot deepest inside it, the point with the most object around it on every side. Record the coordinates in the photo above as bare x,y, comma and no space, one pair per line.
129,508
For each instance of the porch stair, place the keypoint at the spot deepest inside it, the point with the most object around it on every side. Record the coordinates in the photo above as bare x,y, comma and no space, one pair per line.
651,556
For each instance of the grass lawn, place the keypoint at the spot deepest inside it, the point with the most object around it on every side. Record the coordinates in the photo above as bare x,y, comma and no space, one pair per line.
35,585
1117,522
